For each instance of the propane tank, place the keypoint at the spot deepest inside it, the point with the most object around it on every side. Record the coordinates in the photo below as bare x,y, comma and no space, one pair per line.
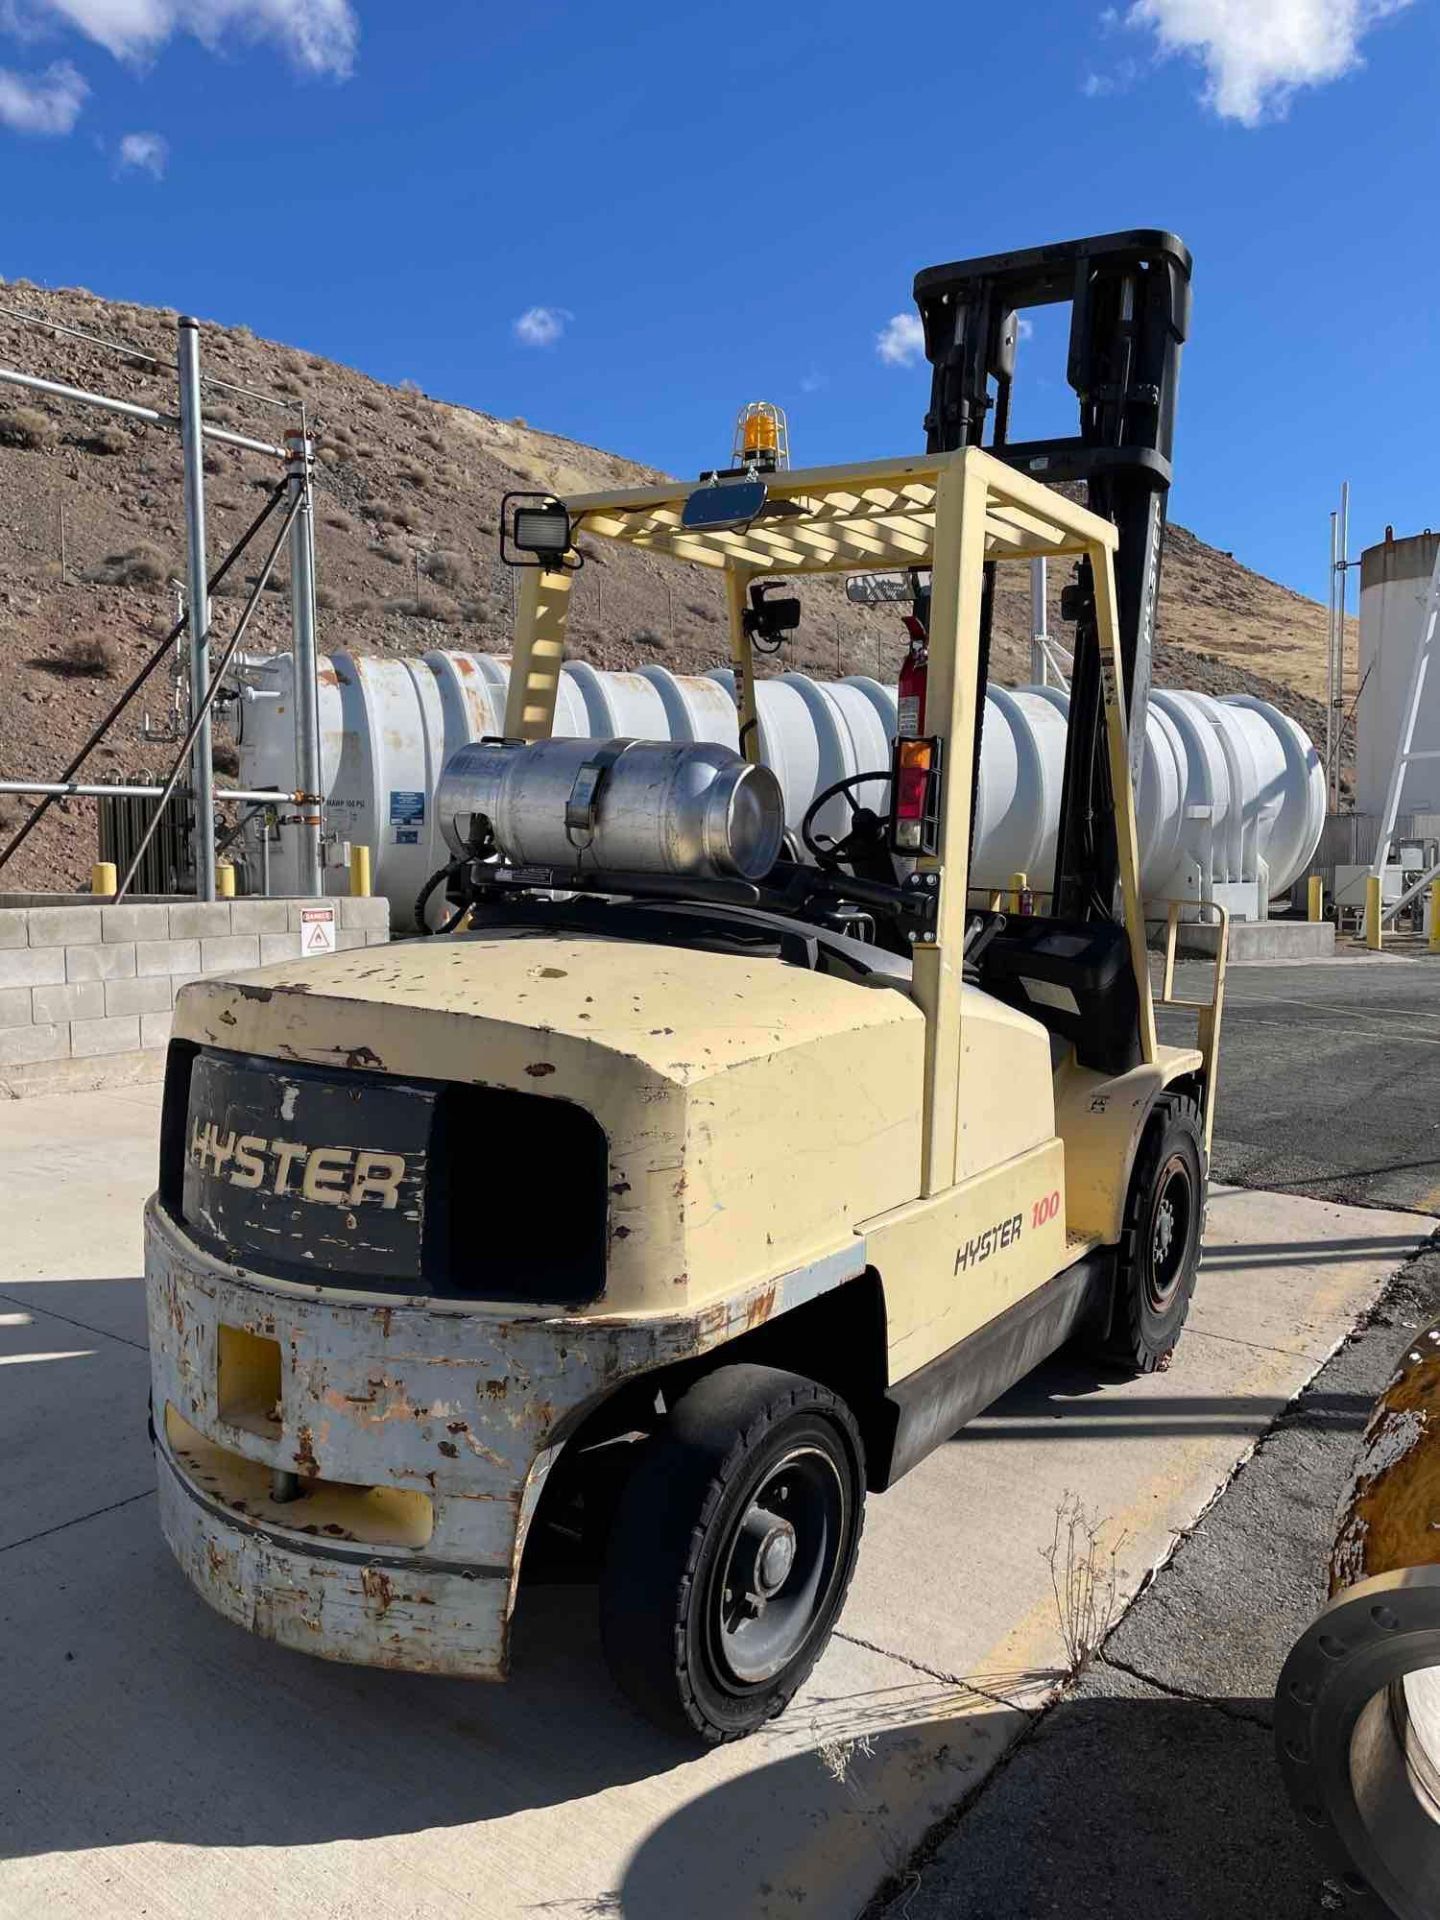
633,806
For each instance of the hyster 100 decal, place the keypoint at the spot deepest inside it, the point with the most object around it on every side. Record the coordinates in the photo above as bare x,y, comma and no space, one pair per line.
1003,1234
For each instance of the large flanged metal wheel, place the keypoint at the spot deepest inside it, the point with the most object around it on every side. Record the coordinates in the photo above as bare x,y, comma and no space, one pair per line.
1357,1733
732,1551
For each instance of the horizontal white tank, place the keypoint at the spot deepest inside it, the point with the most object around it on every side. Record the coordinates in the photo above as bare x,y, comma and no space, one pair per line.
1394,586
1231,804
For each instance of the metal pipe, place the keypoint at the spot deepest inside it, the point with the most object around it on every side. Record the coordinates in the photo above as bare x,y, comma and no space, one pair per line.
98,733
199,724
132,410
198,600
100,790
308,776
1039,625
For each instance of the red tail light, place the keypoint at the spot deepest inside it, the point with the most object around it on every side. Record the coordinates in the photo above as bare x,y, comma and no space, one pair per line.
914,818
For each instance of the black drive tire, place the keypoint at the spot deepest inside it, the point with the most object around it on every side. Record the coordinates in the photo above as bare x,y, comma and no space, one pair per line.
1158,1259
667,1618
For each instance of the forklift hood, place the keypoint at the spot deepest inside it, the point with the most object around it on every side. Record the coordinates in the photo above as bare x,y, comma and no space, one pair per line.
747,1106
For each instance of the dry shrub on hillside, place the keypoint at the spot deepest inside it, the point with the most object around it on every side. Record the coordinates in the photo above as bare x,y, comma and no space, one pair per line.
475,613
108,441
382,551
425,607
339,520
142,566
90,656
446,569
225,757
412,476
327,599
24,427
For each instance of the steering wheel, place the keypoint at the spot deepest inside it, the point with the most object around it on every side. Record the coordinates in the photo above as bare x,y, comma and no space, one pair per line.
865,823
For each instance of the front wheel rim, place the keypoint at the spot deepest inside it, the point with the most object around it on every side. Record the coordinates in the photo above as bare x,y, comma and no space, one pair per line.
1171,1220
776,1570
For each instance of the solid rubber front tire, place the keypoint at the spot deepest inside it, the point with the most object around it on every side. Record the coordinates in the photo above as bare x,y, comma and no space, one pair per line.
742,1436
1159,1251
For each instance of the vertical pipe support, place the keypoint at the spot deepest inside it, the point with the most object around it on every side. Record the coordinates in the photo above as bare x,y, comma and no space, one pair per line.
1039,625
1374,932
1315,898
308,774
192,443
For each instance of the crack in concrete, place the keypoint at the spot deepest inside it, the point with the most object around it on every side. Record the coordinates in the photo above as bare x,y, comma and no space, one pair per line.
33,1306
1227,1707
935,1673
94,1514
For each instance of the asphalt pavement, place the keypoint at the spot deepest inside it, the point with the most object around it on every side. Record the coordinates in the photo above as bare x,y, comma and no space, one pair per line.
1330,1079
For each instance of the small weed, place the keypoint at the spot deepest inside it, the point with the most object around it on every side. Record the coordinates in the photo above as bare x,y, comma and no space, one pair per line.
1084,1579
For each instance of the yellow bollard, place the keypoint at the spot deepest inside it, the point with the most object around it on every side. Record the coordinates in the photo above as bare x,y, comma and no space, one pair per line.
359,871
1435,916
103,877
224,880
1374,934
1315,900
1019,885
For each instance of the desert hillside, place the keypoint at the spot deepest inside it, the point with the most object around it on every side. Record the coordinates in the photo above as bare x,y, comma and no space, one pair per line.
92,531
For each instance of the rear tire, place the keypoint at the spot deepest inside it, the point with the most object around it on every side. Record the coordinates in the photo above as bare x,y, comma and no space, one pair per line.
732,1551
1159,1251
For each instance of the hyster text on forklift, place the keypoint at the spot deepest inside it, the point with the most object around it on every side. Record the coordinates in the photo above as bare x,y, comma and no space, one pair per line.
794,1155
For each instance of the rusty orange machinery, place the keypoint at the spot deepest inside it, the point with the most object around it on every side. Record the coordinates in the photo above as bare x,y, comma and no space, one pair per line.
1357,1715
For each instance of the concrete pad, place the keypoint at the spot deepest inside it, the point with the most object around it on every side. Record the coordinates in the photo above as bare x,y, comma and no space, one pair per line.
78,1168
172,1763
160,1761
1283,1281
72,1423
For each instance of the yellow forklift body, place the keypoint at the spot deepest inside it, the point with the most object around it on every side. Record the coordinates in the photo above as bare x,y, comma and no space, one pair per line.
772,1132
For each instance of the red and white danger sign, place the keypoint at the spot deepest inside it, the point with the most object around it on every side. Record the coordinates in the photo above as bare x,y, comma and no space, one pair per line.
317,931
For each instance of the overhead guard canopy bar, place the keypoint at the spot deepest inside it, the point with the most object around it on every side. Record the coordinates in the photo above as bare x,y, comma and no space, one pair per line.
875,516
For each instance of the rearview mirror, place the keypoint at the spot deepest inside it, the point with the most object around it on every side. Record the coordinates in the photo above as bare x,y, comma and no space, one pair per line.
879,589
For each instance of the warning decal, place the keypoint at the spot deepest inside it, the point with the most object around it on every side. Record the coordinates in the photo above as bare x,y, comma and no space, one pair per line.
317,931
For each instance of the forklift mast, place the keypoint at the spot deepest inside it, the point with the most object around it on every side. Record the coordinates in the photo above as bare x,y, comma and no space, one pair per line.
1130,310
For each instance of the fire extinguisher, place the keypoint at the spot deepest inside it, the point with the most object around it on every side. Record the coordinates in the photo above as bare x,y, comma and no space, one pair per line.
910,705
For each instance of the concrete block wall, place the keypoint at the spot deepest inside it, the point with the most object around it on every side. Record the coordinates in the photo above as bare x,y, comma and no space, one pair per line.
87,991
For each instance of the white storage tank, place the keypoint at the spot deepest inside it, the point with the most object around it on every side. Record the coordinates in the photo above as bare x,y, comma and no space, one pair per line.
1231,802
1394,586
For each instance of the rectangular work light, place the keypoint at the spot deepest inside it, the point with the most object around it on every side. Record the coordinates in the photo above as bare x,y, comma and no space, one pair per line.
538,528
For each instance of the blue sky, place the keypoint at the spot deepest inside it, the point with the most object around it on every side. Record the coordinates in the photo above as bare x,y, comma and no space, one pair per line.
728,200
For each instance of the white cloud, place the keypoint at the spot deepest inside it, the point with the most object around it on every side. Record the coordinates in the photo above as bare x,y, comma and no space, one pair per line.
144,153
814,381
320,36
901,341
48,102
541,326
1257,53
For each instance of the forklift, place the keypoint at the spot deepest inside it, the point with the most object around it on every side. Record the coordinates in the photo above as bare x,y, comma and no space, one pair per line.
714,1168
